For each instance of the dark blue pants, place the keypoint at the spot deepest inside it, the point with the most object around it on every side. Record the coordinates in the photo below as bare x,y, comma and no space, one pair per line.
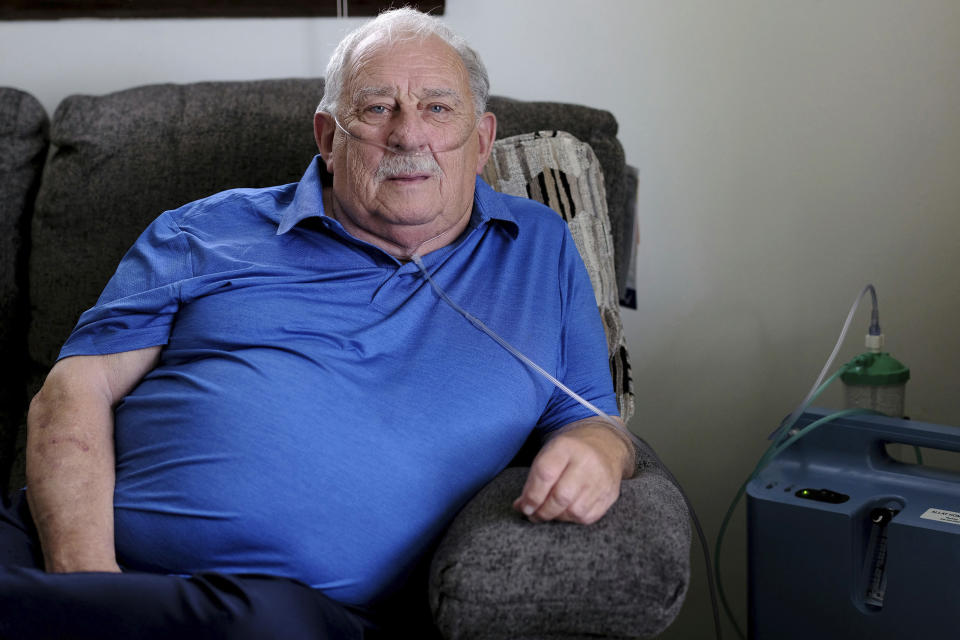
38,605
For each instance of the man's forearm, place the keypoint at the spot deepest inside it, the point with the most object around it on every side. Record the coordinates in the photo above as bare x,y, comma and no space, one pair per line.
71,469
70,479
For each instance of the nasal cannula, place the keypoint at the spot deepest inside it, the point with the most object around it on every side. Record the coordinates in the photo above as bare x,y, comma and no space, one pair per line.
397,150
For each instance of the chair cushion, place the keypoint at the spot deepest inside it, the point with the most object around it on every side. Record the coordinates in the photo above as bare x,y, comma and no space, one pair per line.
497,576
23,147
559,170
117,161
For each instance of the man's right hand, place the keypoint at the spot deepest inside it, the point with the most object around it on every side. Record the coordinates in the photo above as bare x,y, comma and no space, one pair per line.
70,457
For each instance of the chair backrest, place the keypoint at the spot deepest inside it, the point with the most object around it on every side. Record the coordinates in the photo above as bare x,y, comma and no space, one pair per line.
23,146
119,160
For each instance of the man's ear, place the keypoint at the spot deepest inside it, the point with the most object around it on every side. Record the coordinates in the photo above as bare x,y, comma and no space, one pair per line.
487,133
323,129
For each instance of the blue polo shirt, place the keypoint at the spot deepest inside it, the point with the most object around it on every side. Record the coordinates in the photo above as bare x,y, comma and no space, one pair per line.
317,411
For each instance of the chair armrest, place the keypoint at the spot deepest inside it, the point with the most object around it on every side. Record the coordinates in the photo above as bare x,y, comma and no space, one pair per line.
496,575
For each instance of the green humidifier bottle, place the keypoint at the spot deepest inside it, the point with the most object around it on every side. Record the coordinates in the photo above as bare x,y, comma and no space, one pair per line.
876,380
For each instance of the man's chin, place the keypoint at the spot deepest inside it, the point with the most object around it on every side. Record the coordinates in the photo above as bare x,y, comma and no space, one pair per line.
411,187
410,204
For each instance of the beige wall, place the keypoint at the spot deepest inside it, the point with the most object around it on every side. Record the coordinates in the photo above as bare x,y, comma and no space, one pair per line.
789,153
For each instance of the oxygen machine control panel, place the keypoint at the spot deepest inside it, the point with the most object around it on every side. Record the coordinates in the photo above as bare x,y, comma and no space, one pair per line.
822,495
840,543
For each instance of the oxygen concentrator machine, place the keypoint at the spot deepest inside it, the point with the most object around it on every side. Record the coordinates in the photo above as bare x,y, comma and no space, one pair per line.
846,542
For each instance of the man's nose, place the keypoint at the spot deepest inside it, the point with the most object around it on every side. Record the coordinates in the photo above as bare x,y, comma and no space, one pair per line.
408,132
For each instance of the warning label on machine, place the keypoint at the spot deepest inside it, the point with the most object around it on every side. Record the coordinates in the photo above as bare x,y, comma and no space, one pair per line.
942,515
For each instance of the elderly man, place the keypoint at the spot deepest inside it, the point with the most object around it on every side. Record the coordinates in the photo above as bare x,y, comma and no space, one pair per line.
272,413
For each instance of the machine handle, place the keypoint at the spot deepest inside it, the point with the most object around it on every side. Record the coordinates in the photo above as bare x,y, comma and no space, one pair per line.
866,432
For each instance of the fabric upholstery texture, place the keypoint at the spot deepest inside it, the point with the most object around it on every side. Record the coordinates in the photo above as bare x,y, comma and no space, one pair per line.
497,576
23,147
119,160
555,168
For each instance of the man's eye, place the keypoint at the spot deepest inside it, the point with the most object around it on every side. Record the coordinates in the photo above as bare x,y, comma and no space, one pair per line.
377,109
438,109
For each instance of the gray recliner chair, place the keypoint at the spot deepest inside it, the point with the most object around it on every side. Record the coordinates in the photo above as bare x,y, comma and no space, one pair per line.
73,201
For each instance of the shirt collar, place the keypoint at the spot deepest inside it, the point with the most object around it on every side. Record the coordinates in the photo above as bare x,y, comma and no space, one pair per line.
307,202
489,205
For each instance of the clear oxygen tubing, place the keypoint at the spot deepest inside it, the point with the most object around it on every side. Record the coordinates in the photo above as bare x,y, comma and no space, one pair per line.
782,437
874,330
618,426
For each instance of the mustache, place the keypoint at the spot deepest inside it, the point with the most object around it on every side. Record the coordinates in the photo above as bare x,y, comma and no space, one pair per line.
393,165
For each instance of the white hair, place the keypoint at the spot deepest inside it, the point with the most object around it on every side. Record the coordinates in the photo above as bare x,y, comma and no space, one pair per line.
391,27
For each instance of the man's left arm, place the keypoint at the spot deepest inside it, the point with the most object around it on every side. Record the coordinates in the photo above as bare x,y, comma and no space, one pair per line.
576,476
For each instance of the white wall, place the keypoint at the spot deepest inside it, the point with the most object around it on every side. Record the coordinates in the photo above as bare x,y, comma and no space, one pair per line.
789,152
